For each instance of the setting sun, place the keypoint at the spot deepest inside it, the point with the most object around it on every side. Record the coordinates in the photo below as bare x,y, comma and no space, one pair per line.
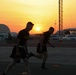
38,28
42,13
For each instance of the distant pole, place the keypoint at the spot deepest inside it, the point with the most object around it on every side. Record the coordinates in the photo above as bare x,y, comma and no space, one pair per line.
55,25
60,15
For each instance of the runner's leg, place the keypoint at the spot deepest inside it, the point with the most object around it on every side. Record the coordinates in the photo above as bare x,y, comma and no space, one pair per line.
44,59
10,66
27,69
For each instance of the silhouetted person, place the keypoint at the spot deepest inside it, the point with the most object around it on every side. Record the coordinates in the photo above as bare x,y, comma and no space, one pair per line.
20,50
42,47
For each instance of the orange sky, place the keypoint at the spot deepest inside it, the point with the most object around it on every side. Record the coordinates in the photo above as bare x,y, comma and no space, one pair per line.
43,13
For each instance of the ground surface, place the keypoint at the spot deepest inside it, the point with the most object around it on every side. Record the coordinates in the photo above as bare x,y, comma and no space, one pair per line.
61,61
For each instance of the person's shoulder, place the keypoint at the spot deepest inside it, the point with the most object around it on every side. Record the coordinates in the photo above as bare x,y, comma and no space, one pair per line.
22,30
45,32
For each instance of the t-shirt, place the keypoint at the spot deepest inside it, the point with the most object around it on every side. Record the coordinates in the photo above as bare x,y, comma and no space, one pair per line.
23,35
45,38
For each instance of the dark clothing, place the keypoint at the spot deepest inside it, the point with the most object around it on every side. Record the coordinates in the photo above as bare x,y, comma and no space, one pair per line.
41,47
46,36
22,52
23,36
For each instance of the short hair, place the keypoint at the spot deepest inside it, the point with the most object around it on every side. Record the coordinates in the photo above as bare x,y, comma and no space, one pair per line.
51,28
30,23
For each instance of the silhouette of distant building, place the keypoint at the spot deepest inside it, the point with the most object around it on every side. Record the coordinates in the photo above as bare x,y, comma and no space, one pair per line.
67,31
4,28
13,34
4,32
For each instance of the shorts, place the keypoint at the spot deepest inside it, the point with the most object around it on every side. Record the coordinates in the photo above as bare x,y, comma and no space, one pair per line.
41,48
22,51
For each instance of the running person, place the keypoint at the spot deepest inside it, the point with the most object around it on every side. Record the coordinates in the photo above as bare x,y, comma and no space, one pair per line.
20,50
42,47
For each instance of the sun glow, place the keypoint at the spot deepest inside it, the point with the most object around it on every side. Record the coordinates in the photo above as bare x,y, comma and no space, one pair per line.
42,13
38,28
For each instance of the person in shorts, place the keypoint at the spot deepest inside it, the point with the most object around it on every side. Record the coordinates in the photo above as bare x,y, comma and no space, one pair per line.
20,50
42,47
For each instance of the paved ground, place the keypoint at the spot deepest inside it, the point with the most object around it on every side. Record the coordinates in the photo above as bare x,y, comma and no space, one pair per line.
56,43
35,69
61,61
55,55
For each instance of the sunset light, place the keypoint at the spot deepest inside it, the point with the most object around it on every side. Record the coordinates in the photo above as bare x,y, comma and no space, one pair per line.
38,28
43,13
